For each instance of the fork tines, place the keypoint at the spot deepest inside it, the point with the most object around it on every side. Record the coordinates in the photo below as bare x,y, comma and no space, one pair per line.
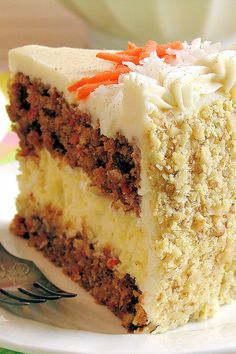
53,292
45,294
26,293
13,296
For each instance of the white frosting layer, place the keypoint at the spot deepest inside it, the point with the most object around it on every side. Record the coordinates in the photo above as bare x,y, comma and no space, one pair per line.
58,67
199,69
176,87
223,66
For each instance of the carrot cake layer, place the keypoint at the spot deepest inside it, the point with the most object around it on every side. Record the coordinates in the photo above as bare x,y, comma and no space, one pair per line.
127,173
42,118
95,271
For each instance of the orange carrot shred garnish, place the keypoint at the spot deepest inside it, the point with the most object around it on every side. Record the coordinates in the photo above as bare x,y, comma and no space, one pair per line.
131,45
118,58
85,90
100,77
161,48
133,54
120,66
150,46
169,58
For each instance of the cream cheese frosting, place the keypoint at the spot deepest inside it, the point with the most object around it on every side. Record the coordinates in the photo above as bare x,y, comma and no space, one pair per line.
57,67
199,69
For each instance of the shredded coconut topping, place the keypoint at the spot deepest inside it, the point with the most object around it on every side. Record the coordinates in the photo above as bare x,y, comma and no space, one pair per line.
200,68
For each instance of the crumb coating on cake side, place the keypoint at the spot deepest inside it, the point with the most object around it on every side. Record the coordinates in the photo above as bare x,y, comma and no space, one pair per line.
193,177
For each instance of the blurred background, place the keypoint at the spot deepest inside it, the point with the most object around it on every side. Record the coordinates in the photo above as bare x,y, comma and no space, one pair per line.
38,21
110,23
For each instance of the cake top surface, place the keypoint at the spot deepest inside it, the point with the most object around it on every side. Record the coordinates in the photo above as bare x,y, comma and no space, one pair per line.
176,76
70,62
180,71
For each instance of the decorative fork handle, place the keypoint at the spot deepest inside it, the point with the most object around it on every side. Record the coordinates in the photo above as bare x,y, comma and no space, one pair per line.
13,270
19,276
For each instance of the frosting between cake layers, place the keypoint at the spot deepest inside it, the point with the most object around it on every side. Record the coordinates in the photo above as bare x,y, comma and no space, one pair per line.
52,182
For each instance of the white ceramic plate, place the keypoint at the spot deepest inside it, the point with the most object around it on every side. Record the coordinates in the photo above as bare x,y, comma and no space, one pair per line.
81,326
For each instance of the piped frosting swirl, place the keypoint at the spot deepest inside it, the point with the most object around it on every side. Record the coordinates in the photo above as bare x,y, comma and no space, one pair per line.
181,84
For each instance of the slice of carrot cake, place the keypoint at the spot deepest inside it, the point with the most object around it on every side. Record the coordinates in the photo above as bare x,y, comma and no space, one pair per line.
128,173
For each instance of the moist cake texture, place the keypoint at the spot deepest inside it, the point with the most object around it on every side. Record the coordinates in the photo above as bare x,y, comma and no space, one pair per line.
131,189
112,164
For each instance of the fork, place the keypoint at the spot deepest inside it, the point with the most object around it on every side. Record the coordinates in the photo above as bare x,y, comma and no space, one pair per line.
22,283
